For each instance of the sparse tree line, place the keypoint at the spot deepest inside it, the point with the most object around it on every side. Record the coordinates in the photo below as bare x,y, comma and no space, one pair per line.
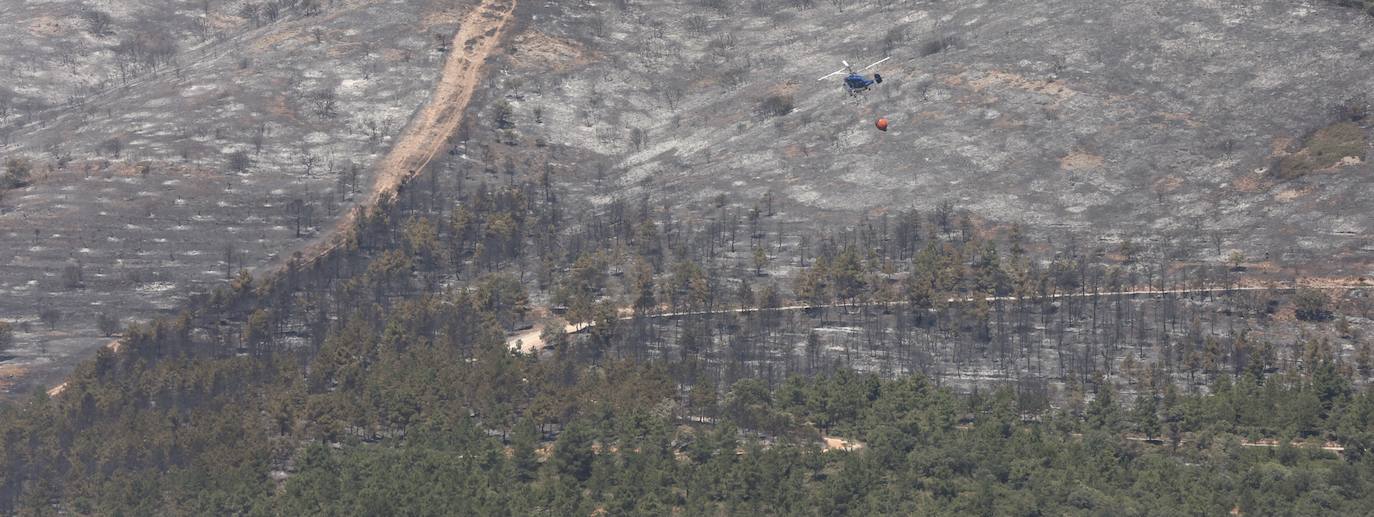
108,325
260,13
935,319
139,47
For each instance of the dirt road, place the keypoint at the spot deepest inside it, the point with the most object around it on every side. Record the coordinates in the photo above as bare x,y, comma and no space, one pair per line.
529,341
1057,296
429,130
478,34
425,135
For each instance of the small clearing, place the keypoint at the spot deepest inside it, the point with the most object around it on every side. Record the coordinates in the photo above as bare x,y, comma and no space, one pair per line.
1051,88
1079,161
833,443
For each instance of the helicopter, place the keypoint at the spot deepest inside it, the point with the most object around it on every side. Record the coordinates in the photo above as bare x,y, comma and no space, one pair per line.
855,82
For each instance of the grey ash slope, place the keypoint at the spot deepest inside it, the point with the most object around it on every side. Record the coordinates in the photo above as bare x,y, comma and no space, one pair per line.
150,222
1152,120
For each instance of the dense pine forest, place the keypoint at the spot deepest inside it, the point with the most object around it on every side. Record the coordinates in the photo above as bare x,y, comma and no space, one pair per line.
407,430
378,377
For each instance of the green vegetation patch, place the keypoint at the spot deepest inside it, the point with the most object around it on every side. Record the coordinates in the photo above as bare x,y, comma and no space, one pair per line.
1324,149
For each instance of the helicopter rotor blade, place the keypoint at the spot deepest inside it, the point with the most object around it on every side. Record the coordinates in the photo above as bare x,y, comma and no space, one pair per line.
875,63
831,74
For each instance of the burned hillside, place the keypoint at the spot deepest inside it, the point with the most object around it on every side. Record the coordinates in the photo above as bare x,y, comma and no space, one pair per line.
1183,124
252,133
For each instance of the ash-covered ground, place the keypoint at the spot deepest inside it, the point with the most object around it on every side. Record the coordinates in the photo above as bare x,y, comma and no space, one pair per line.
1162,122
184,142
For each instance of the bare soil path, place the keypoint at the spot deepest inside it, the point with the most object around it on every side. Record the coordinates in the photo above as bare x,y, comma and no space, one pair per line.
1054,296
478,34
529,341
832,443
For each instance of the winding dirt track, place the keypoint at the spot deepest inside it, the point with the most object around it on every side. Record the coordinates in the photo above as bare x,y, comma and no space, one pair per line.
424,137
529,341
969,300
478,34
1056,296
